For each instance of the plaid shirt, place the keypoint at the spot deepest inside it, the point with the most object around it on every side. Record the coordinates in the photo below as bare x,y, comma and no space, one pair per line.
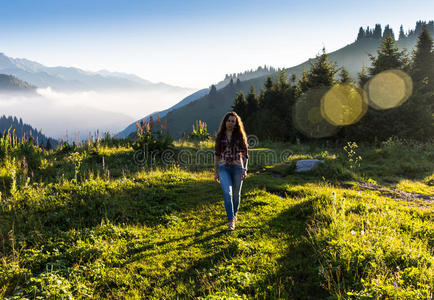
229,155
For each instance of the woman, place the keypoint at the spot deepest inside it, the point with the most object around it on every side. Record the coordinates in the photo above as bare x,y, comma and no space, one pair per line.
230,162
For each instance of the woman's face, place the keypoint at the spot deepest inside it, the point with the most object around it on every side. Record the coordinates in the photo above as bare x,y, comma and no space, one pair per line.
230,122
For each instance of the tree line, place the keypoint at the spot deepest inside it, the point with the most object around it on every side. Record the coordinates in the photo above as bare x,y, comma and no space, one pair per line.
378,33
9,125
273,112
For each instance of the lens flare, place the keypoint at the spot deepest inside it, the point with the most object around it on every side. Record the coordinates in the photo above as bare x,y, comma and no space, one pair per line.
314,115
389,89
307,116
344,104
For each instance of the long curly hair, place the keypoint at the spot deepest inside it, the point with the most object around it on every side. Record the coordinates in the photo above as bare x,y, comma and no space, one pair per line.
238,134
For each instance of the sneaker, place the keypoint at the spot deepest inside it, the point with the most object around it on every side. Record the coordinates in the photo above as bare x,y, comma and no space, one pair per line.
231,225
235,218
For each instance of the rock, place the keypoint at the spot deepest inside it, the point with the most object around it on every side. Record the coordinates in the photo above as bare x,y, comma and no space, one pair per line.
306,164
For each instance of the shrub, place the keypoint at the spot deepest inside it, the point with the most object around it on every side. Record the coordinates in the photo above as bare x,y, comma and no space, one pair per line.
152,139
200,132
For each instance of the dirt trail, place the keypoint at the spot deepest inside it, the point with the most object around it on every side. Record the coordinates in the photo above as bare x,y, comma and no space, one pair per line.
394,193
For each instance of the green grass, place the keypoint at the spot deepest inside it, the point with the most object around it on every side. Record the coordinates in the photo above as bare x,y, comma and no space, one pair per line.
159,232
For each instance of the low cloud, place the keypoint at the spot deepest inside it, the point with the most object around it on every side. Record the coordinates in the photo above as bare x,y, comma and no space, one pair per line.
62,115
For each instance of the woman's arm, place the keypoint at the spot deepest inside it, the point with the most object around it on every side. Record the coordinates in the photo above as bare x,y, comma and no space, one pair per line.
245,162
217,155
244,157
216,163
216,168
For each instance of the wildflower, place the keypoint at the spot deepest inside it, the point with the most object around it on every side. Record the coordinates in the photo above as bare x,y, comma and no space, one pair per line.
395,284
353,232
24,163
362,232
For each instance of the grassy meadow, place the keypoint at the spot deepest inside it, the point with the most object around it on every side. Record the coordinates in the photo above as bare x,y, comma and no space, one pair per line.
101,221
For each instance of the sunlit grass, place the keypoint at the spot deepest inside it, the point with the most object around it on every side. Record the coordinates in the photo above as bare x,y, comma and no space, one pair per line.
160,231
411,186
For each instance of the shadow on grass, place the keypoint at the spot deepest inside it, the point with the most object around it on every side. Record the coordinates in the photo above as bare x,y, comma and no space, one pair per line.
137,253
86,205
297,277
119,164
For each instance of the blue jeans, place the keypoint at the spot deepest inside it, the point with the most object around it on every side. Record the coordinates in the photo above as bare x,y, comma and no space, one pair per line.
230,182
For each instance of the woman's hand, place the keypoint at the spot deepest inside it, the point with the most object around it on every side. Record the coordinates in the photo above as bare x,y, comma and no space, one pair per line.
216,177
244,174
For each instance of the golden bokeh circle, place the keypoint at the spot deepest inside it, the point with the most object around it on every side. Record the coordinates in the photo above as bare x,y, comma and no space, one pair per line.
344,104
389,89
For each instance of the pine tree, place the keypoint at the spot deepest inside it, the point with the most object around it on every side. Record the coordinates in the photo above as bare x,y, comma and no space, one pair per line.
269,83
368,32
423,59
321,73
252,102
388,31
275,113
213,90
361,34
401,33
419,27
415,116
282,81
48,146
389,57
345,76
377,32
303,83
240,106
212,97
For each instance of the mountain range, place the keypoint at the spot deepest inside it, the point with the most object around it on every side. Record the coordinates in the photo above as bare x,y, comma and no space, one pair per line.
70,79
70,99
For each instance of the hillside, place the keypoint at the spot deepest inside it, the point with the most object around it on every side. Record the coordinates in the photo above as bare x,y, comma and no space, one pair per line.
92,222
353,57
11,84
132,127
247,75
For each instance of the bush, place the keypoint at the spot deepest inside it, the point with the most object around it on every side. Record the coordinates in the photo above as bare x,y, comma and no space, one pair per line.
152,139
200,132
66,148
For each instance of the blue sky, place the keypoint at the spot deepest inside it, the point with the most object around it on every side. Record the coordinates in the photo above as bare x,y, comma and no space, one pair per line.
190,43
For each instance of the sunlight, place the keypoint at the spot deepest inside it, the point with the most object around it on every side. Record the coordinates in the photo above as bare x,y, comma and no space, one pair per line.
389,89
344,104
